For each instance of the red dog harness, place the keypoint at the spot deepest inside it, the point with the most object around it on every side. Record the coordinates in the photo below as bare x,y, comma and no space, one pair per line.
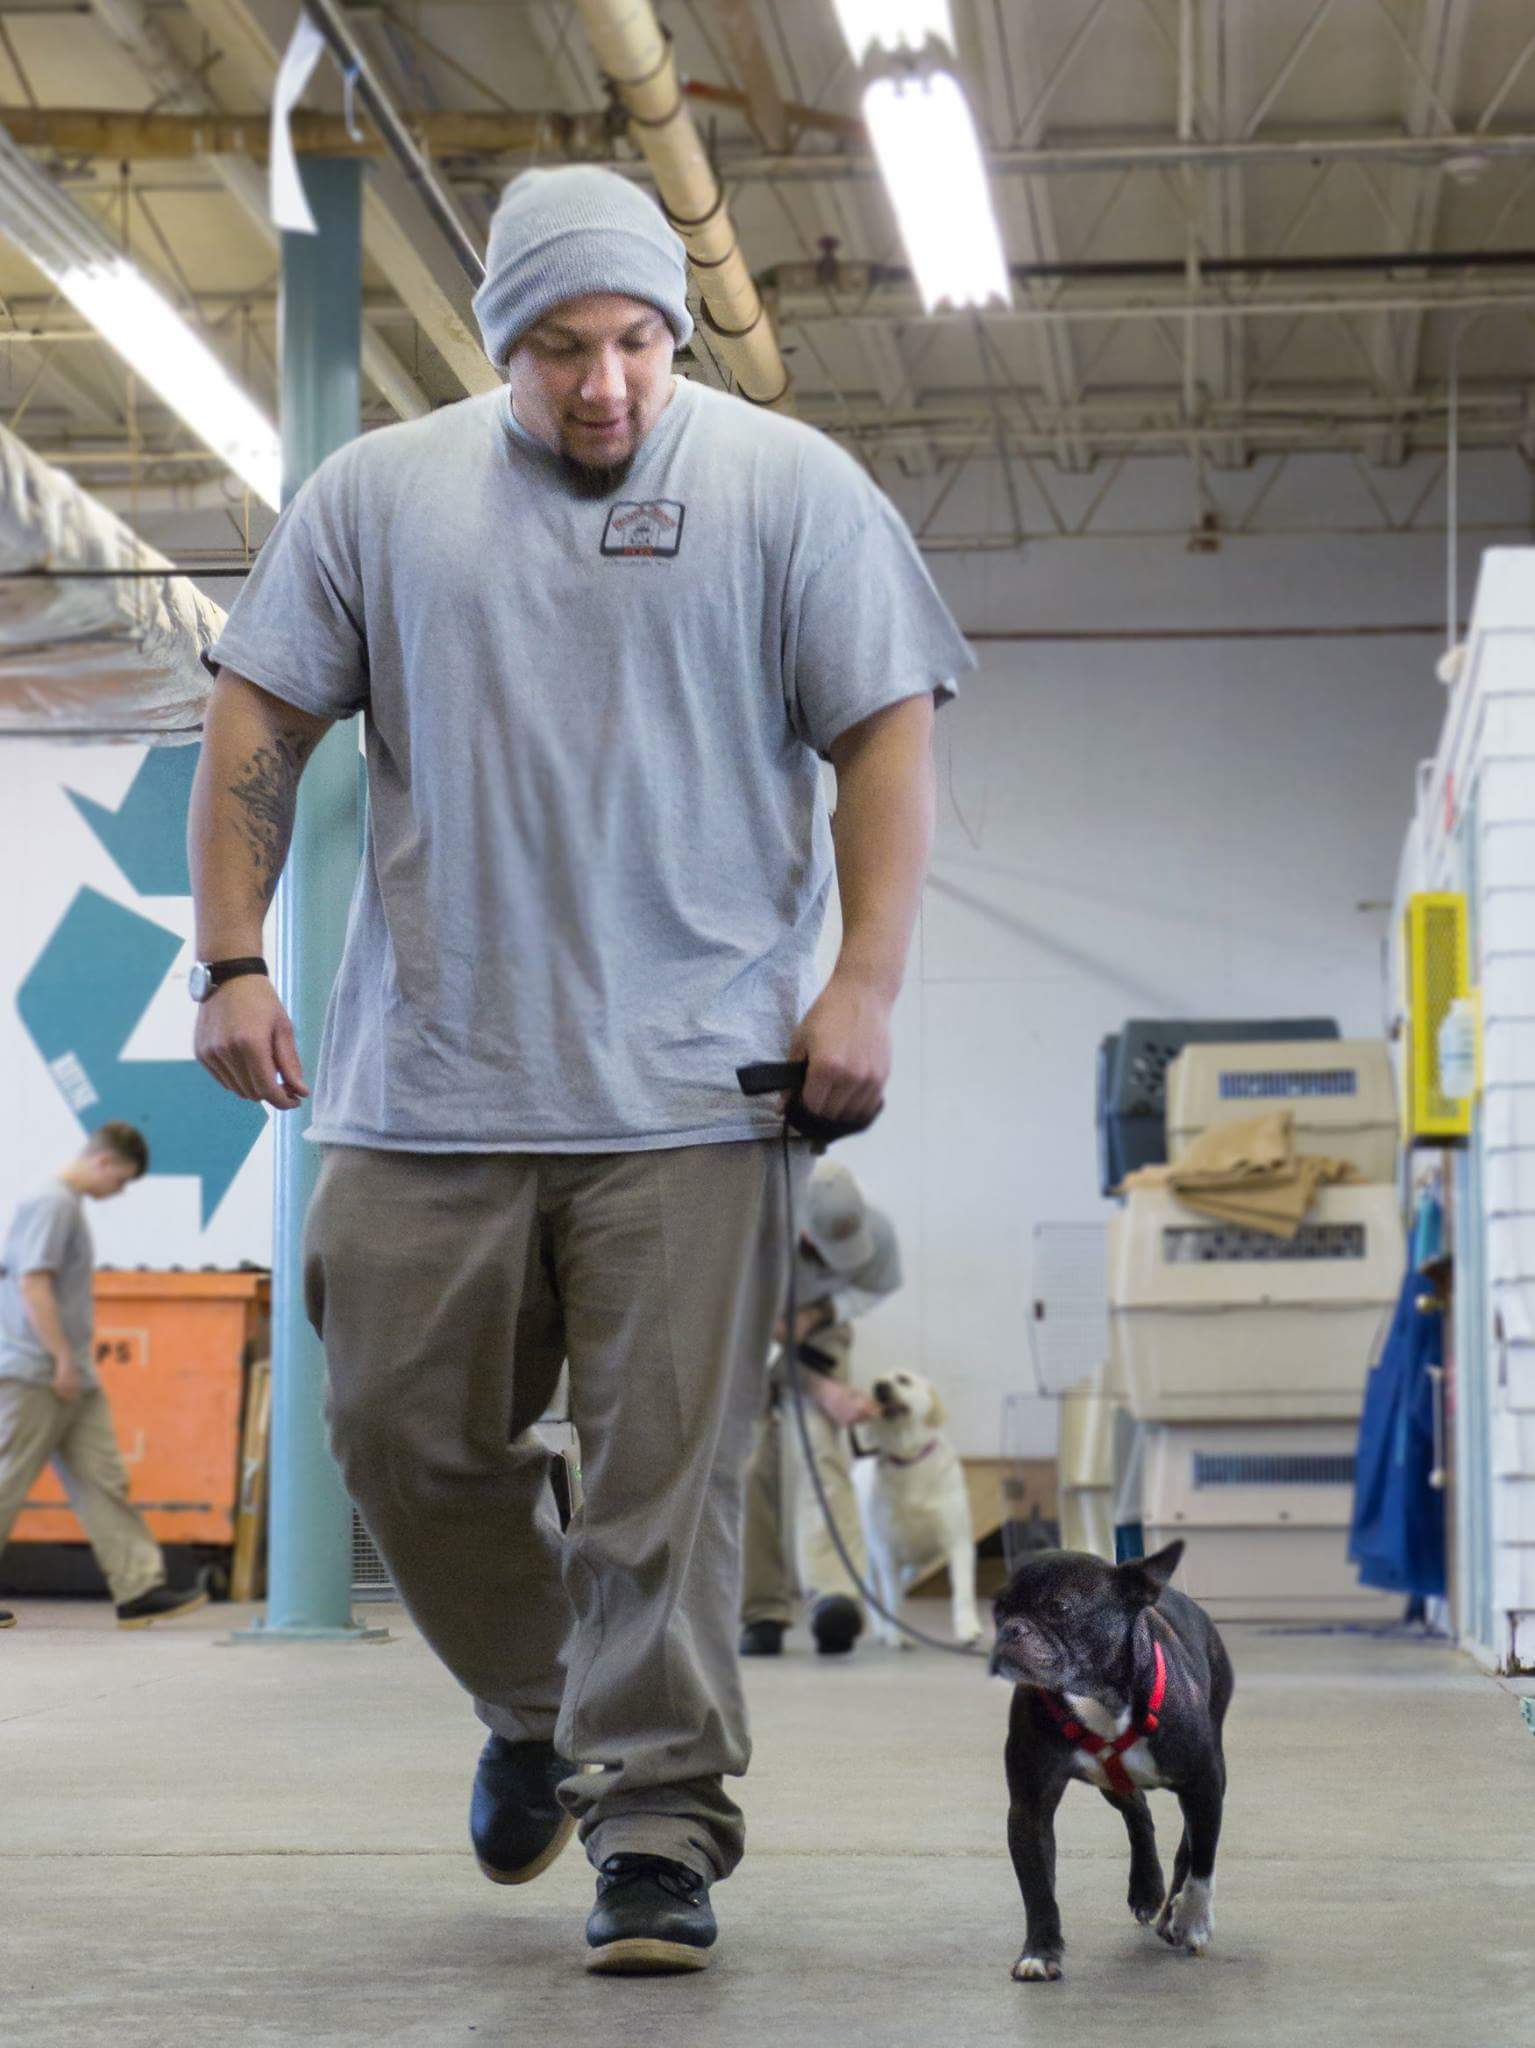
1109,1752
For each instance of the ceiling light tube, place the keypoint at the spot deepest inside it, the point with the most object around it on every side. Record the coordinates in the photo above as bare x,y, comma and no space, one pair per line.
157,343
894,25
930,158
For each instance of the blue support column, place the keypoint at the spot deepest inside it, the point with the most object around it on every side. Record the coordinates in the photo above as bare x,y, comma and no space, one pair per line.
309,1569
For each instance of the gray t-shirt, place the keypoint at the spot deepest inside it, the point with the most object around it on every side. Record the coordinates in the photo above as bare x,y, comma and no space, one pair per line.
598,854
48,1234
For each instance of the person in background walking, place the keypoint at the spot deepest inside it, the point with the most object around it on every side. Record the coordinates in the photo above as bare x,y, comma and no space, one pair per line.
51,1402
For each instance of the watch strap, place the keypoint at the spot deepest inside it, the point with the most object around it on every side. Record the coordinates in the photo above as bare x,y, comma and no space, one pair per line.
220,971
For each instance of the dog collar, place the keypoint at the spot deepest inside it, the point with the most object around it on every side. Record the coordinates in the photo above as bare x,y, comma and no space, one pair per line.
1108,1753
890,1458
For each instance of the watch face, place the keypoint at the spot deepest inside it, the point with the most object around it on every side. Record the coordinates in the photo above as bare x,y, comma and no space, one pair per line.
199,982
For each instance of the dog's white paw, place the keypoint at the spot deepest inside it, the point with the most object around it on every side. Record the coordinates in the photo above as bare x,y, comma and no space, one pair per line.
1188,1921
1036,1969
904,1642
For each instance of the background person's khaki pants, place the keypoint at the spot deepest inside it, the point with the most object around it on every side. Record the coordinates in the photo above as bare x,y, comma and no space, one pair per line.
788,1550
448,1288
35,1425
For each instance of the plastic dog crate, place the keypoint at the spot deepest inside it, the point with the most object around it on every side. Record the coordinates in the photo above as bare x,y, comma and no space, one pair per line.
1132,1075
1265,1513
1341,1096
1215,1323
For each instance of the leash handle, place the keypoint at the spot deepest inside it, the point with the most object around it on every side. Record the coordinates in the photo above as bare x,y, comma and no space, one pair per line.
788,1077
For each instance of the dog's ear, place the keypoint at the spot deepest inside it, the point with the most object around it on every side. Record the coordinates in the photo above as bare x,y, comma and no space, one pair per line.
1144,1577
937,1414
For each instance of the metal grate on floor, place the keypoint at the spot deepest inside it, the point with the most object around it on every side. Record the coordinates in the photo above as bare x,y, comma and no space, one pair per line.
370,1574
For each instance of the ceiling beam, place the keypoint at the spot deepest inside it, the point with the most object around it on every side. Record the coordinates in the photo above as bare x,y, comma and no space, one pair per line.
38,318
1003,66
1433,75
180,89
803,296
763,103
83,393
1222,59
128,135
397,231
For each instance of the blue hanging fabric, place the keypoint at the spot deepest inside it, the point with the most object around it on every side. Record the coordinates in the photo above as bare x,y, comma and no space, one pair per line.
1397,1539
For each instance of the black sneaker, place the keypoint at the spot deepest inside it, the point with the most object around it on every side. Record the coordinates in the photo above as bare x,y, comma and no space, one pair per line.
651,1915
159,1604
7,1619
516,1823
763,1638
836,1624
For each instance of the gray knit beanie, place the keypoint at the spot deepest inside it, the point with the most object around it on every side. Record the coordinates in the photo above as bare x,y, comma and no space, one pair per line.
563,234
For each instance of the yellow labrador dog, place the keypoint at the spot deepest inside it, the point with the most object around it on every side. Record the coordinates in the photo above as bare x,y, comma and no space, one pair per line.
916,1509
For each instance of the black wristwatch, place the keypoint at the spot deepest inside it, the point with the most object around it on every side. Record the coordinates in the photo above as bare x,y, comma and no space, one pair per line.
207,976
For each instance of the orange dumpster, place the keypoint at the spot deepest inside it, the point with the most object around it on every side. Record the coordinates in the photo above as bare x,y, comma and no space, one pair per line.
171,1350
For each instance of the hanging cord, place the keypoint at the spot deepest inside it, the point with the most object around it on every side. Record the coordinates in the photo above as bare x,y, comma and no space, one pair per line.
798,1399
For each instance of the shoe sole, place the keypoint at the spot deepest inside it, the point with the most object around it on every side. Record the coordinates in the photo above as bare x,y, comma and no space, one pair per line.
7,1621
540,1863
643,1956
187,1606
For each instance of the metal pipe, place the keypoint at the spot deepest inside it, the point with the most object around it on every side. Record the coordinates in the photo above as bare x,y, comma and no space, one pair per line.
1452,496
309,1590
349,54
635,57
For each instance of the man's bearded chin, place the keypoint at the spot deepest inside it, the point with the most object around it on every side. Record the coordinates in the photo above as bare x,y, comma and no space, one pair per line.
594,479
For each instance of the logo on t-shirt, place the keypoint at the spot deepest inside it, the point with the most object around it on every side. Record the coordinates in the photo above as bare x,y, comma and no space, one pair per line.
651,528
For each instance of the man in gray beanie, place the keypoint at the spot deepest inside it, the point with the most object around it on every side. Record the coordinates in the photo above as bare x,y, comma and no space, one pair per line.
605,625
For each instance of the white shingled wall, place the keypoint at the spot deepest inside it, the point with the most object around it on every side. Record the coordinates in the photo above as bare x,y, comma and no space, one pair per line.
1484,769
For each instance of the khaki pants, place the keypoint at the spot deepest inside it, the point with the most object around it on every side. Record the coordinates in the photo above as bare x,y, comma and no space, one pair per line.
35,1425
448,1289
779,1493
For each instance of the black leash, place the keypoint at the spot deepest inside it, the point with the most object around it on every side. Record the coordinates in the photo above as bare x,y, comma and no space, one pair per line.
788,1078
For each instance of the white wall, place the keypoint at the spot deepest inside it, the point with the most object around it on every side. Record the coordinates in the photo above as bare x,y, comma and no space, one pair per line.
1126,828
1475,831
1164,828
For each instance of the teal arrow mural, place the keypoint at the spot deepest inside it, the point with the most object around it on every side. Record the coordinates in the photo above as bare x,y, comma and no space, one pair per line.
147,834
85,994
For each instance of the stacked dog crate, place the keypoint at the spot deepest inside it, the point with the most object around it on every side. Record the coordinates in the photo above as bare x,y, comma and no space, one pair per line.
1069,1343
1246,1353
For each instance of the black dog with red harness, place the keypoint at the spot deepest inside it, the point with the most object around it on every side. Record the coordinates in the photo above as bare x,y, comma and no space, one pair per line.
1122,1683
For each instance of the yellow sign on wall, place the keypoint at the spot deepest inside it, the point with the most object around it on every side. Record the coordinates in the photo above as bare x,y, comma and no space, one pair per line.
1436,956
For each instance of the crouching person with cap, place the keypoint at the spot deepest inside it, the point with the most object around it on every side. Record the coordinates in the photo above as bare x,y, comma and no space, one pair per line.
604,625
848,1261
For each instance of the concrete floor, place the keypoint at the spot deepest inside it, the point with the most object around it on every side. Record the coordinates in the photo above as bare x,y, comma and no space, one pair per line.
258,1846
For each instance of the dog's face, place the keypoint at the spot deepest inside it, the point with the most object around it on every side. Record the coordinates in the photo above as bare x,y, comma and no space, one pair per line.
910,1412
1064,1620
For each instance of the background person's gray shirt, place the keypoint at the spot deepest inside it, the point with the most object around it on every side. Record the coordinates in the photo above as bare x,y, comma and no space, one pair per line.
599,854
48,1234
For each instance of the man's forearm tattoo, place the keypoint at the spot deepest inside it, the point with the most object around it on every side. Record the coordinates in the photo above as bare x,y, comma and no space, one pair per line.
266,792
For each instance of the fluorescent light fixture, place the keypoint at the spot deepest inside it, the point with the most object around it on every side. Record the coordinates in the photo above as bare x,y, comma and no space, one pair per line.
930,158
176,364
894,24
131,316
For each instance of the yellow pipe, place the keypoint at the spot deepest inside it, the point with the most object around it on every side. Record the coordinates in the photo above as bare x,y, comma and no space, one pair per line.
636,58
